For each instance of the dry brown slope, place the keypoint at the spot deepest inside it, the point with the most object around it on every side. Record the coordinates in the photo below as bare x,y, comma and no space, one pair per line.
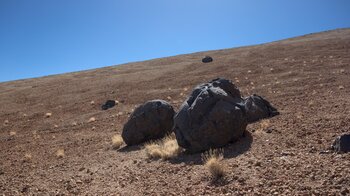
306,78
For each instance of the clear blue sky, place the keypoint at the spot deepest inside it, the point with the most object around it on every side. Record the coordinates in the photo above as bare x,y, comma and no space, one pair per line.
43,37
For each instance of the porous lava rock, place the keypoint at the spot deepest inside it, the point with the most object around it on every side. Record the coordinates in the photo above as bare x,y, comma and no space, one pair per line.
207,59
215,114
150,121
108,104
258,108
342,143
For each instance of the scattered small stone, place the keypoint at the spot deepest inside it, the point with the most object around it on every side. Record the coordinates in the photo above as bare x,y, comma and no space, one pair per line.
325,152
207,59
341,87
92,119
287,154
108,104
6,122
92,103
48,115
81,169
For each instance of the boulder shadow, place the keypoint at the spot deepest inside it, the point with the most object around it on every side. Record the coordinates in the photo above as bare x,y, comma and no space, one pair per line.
231,150
130,148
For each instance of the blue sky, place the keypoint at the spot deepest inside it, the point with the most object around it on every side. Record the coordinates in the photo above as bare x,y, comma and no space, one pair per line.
44,37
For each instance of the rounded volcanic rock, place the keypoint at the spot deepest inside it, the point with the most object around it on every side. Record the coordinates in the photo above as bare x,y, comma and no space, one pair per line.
207,59
108,104
152,120
258,108
211,117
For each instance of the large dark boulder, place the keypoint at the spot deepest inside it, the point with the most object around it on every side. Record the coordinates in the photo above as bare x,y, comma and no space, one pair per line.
215,114
342,143
152,120
211,117
207,59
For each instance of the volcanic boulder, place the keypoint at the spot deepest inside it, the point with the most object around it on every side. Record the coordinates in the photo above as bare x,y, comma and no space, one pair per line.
152,120
342,143
207,59
258,108
215,114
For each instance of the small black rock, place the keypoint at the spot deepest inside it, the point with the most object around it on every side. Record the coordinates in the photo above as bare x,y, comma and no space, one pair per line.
207,59
108,104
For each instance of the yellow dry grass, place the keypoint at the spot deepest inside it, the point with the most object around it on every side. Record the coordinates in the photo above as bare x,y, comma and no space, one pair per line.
117,141
213,161
27,157
165,148
264,124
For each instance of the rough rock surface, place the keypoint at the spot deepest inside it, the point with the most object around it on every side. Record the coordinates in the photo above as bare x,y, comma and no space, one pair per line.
215,114
342,143
258,108
152,120
207,59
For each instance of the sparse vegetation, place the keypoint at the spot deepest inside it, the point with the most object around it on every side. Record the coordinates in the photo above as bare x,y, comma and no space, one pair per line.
60,153
117,141
264,124
213,161
166,148
27,157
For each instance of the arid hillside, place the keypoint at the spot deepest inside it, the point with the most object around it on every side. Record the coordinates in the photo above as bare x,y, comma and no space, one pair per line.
56,140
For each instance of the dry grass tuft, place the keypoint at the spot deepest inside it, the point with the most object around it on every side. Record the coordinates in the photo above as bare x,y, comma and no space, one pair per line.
166,148
60,153
27,157
117,141
264,124
213,162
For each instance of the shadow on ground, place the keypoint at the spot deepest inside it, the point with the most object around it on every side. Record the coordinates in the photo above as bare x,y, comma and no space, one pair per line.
130,148
230,151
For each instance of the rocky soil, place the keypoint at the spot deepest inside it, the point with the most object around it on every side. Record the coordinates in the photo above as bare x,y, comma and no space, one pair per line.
69,152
